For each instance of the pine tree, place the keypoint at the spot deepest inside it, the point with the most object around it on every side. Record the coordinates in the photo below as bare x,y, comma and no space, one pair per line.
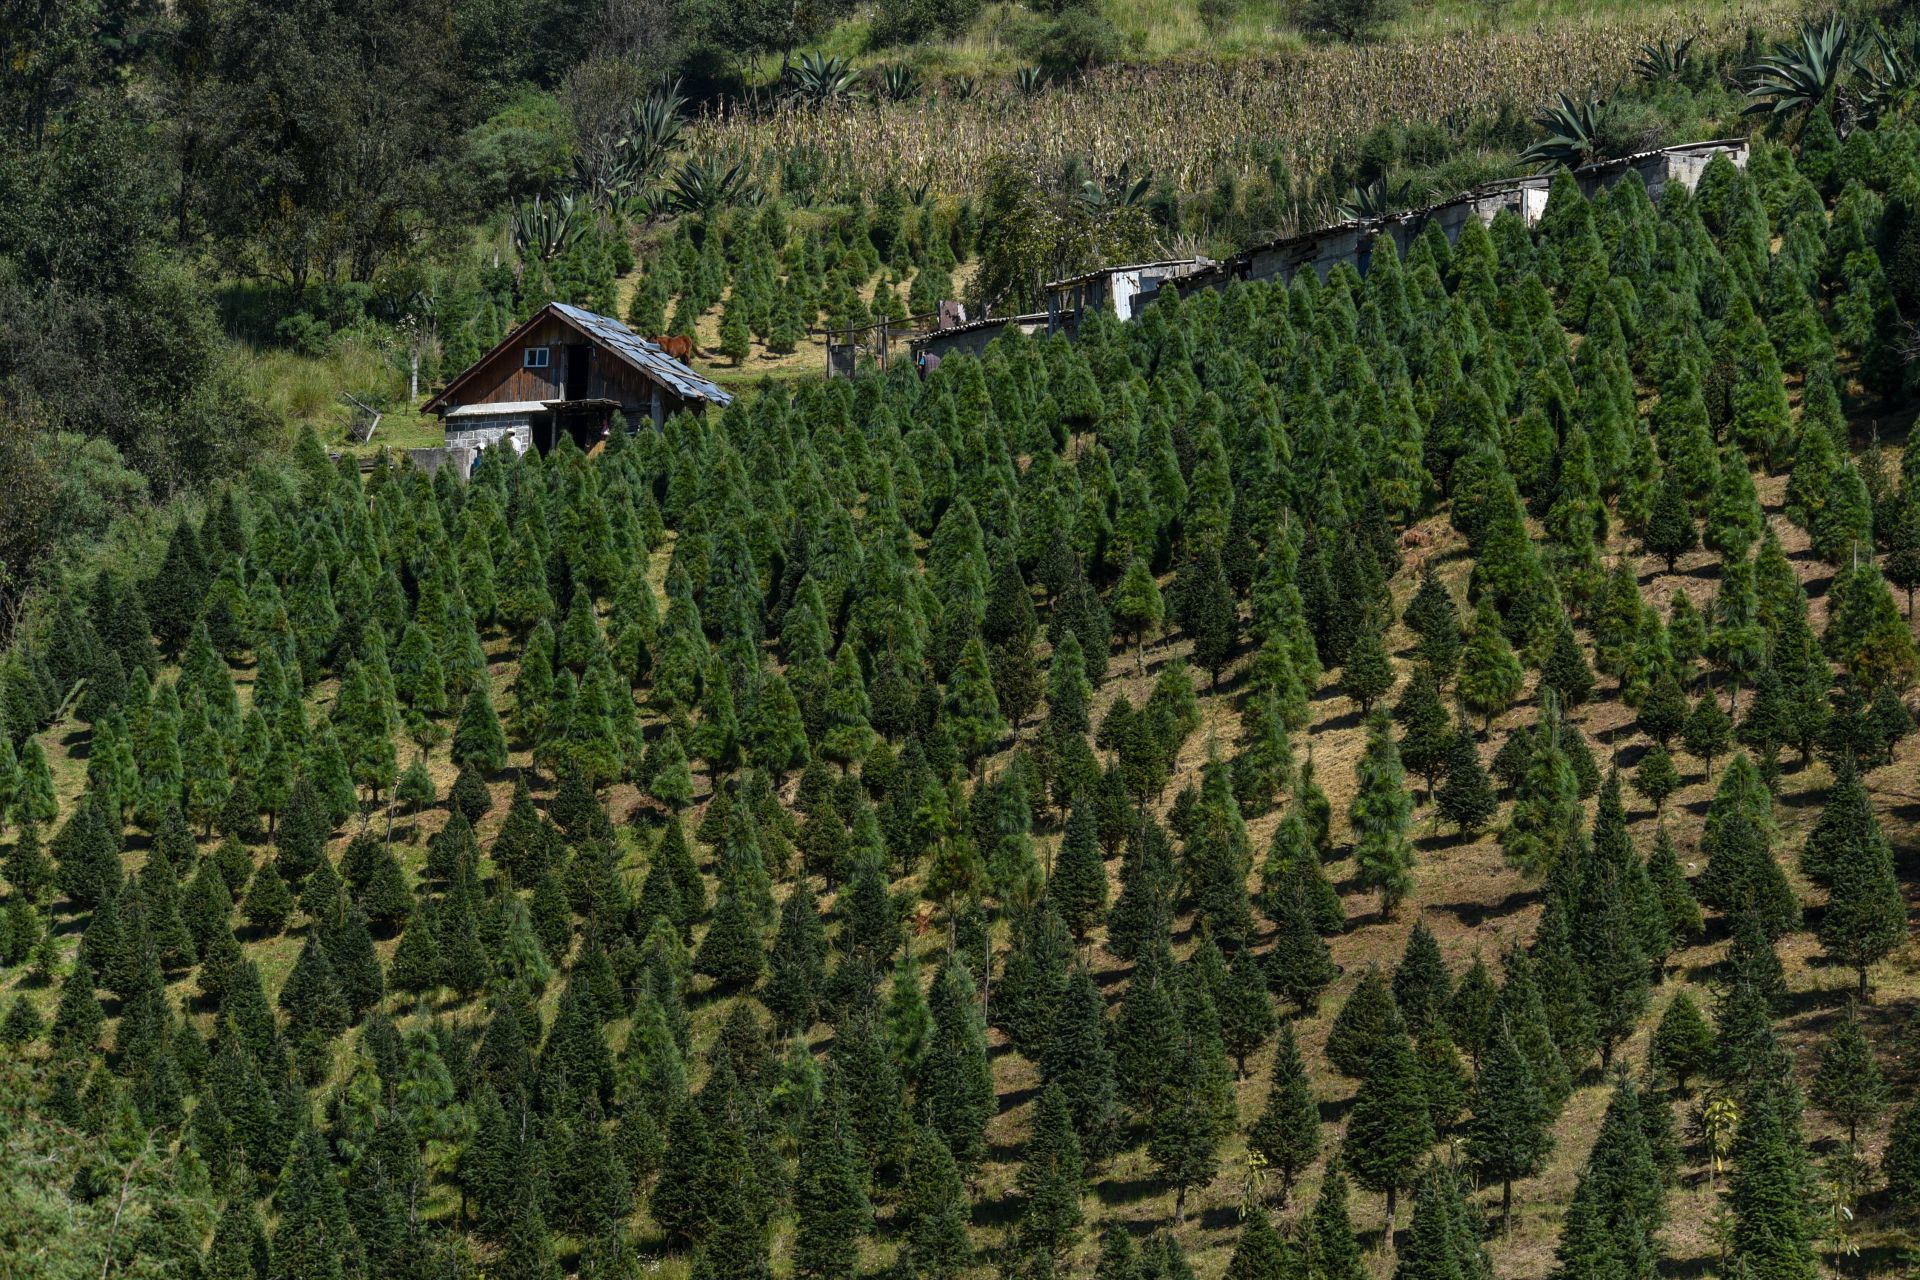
957,1087
1510,1135
1670,531
971,709
933,1212
1849,1086
1380,814
1866,914
1367,675
1287,1134
1078,885
1078,1060
1260,1253
478,740
1490,674
1708,732
1332,1250
1683,1040
313,1238
1245,1008
78,1018
269,902
1426,736
1137,608
731,953
1771,1190
1211,616
1900,1162
1364,1025
1389,1131
1467,799
1195,1109
1655,777
829,1196
797,970
1051,1181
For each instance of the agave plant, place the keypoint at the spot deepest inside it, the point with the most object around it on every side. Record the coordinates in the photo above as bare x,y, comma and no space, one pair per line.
1119,190
1803,74
704,187
543,231
653,129
822,80
1663,60
899,83
1376,199
1030,80
1892,87
1573,134
961,88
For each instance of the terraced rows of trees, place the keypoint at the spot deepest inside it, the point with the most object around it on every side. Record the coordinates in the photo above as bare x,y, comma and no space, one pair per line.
1374,775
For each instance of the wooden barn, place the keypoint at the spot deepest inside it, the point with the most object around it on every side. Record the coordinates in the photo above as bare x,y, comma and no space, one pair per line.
566,370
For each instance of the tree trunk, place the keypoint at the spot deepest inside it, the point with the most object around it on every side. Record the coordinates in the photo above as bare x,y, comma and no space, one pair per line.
1386,1239
1506,1206
1180,1206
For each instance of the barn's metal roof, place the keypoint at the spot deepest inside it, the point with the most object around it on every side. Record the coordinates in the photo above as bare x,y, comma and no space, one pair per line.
498,409
644,355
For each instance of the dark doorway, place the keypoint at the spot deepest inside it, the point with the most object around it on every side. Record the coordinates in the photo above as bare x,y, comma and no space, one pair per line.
578,356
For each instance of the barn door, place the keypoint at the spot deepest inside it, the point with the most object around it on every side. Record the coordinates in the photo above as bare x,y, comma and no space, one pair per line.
579,356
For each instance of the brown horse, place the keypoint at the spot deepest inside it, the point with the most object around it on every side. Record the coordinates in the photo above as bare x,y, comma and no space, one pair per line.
677,345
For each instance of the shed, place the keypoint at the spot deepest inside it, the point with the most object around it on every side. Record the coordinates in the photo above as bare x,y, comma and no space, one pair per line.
566,369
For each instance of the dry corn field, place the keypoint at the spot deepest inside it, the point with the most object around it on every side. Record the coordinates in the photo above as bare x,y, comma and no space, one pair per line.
1191,122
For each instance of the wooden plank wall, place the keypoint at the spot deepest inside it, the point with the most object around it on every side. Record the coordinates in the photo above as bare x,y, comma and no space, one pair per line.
505,378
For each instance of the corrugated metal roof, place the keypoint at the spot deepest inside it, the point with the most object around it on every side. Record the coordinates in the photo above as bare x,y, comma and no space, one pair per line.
498,409
644,356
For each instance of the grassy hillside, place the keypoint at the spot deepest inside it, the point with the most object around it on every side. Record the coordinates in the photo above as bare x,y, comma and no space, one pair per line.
1075,639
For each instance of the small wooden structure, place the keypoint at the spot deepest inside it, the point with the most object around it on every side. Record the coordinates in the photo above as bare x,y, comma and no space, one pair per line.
566,370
